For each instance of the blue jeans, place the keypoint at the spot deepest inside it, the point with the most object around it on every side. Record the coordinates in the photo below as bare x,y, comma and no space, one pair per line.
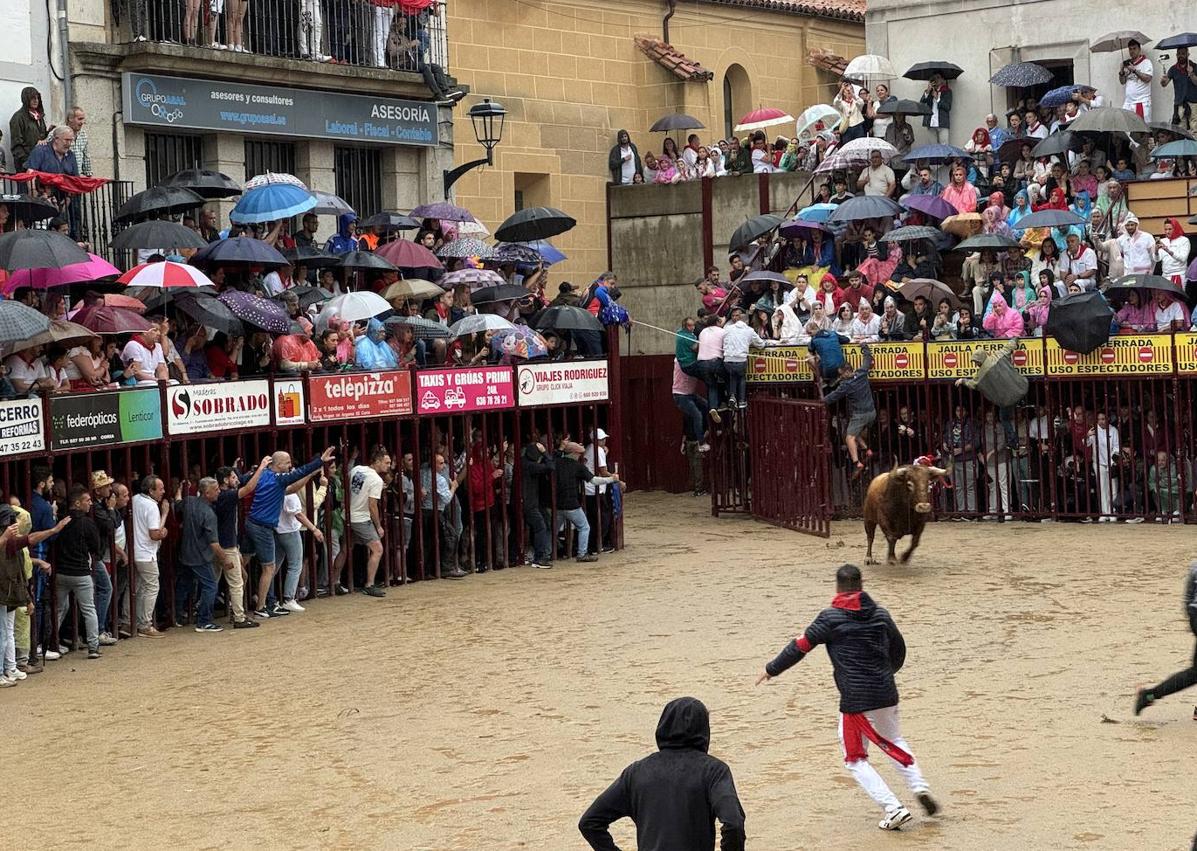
713,374
289,546
103,585
577,518
81,587
262,538
538,524
737,385
694,409
188,577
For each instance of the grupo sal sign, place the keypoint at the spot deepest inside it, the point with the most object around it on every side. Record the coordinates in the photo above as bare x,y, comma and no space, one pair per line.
226,406
563,383
359,394
451,391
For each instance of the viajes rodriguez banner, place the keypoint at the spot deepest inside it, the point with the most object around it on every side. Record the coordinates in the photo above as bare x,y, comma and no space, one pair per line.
1122,355
459,390
563,383
226,406
954,359
288,402
1186,353
102,419
364,394
21,427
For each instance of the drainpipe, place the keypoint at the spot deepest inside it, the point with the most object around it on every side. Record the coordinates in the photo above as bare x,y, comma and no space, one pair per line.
664,21
68,94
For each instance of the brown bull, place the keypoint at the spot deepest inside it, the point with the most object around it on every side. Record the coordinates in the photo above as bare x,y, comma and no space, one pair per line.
899,502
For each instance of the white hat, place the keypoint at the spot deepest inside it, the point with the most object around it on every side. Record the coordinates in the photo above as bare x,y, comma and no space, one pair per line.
1131,217
599,434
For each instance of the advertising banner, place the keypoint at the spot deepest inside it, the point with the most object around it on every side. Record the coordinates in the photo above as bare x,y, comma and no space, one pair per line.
455,391
778,364
225,406
355,395
954,359
288,402
1186,353
1144,354
563,383
891,362
21,427
102,419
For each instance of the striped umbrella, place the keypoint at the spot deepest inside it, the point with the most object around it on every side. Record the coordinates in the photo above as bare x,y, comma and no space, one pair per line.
423,329
164,274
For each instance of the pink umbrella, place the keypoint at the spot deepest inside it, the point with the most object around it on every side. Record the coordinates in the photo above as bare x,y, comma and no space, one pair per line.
43,279
764,117
164,275
408,255
102,319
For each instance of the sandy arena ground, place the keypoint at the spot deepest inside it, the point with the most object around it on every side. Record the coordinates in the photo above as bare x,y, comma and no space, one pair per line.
486,714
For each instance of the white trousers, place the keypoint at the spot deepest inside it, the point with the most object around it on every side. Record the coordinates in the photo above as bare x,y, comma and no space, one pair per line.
311,29
999,481
383,16
1103,487
885,722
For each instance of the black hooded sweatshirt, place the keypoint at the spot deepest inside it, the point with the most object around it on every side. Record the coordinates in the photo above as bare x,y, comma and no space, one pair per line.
674,795
535,468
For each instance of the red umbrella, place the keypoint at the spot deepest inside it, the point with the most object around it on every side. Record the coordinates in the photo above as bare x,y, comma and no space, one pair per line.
104,319
164,274
767,116
408,255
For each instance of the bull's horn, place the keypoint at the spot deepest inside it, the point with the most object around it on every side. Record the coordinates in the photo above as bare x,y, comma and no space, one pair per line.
937,472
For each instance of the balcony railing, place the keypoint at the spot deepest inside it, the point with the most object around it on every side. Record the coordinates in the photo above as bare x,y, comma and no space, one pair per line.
348,32
89,216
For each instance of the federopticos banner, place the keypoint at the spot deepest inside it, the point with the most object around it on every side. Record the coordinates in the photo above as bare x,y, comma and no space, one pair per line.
563,383
1123,355
955,359
455,391
359,394
288,402
102,419
225,406
1186,353
194,104
21,427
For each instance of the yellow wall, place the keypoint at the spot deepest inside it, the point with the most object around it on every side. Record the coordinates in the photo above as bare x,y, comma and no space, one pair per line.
570,76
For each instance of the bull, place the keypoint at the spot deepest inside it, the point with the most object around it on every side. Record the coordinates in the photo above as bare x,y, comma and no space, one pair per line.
899,502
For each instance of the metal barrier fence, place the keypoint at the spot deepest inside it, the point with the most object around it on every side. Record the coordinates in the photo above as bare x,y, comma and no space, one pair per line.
90,215
786,442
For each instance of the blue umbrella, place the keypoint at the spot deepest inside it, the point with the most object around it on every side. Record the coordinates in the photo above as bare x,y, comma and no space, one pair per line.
549,254
937,154
816,213
1021,75
272,202
1060,96
1179,148
239,250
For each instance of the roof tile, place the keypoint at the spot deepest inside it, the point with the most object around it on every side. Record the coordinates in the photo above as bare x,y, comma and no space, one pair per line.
672,59
845,10
825,60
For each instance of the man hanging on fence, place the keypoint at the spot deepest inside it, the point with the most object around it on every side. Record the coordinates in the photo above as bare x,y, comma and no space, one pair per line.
854,386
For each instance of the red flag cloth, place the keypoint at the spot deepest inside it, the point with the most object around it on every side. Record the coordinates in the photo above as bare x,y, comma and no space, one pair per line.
414,7
856,729
70,183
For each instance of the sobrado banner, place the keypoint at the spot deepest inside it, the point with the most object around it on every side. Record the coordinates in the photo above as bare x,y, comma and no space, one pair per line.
563,383
225,406
21,427
359,395
456,391
102,419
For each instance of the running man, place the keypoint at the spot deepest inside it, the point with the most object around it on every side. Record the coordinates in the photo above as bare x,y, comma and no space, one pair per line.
1182,679
854,386
865,649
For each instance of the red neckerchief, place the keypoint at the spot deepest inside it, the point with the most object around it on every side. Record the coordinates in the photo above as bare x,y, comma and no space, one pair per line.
1141,57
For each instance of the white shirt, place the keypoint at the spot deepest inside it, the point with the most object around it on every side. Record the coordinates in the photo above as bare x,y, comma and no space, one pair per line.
28,372
588,460
1138,91
147,359
628,164
1078,266
762,161
880,125
808,297
737,338
288,517
72,370
1138,252
273,281
866,332
1165,315
690,156
364,484
146,517
1169,265
1040,132
879,180
934,122
1105,444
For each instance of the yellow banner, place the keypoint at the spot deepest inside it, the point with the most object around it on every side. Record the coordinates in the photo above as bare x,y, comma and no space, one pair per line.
954,359
891,361
1145,354
1186,353
778,364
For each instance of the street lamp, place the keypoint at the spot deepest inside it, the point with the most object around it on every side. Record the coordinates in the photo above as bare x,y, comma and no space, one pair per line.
488,118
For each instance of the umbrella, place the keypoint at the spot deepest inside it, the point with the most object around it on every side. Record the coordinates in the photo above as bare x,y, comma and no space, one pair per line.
444,211
931,206
549,253
1011,151
239,250
205,183
389,222
816,213
1146,282
1174,41
904,107
423,329
1108,119
164,274
564,317
1050,219
405,254
156,201
761,118
963,224
1115,41
20,321
1059,142
515,252
60,331
470,228
124,302
752,230
519,341
910,232
411,288
1182,148
839,161
820,113
992,241
1080,322
208,310
39,249
478,323
329,204
465,246
1060,96
475,278
927,70
366,261
1022,75
1174,129
157,235
26,208
677,121
503,292
865,207
106,319
307,295
272,201
259,312
269,178
767,276
937,154
929,289
154,299
534,223
313,258
798,228
354,307
870,67
43,279
863,148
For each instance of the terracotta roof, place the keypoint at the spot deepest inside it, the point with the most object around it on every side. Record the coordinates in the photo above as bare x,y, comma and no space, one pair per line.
825,60
672,59
844,10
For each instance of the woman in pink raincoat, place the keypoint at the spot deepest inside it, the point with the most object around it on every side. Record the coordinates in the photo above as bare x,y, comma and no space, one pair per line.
1003,321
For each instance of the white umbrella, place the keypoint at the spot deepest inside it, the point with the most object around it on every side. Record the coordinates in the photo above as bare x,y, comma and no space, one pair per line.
328,204
812,115
479,322
353,307
269,177
864,147
870,67
474,228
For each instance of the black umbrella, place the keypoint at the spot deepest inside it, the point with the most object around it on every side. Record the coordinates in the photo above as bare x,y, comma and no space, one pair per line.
1109,119
157,201
39,249
205,183
239,251
1080,322
1146,282
865,207
677,121
534,223
904,107
1021,75
911,232
1059,142
1174,41
563,317
26,208
752,230
1050,219
927,70
1011,151
503,292
156,298
767,276
422,329
313,258
307,295
207,309
365,261
993,241
158,235
1174,129
390,222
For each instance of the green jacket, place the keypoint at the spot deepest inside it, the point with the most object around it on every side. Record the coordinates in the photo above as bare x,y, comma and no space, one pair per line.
24,134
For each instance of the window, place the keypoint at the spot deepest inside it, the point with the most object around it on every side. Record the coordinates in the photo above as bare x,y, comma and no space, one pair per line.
264,156
737,96
358,173
168,154
729,119
1062,75
531,190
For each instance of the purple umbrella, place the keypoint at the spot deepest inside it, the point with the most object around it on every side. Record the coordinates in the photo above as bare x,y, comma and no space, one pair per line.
931,206
1191,275
800,228
444,211
259,312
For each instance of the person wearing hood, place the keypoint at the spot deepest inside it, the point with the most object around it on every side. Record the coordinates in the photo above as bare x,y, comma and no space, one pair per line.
893,322
866,650
27,127
371,350
675,795
1182,679
1173,251
1002,321
535,468
624,160
345,239
1138,248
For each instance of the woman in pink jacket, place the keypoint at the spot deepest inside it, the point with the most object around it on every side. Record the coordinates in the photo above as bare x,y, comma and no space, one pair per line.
960,193
1037,310
1002,322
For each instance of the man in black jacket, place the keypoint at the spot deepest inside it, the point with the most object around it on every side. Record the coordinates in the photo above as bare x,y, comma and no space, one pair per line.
78,545
865,649
571,475
1182,679
535,468
674,795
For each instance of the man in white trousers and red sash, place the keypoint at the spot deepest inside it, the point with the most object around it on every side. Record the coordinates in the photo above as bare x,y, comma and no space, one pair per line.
866,649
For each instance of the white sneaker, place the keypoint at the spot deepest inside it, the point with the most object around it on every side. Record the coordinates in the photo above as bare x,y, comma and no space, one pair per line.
704,447
107,640
1135,520
292,606
15,674
5,682
895,819
53,655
